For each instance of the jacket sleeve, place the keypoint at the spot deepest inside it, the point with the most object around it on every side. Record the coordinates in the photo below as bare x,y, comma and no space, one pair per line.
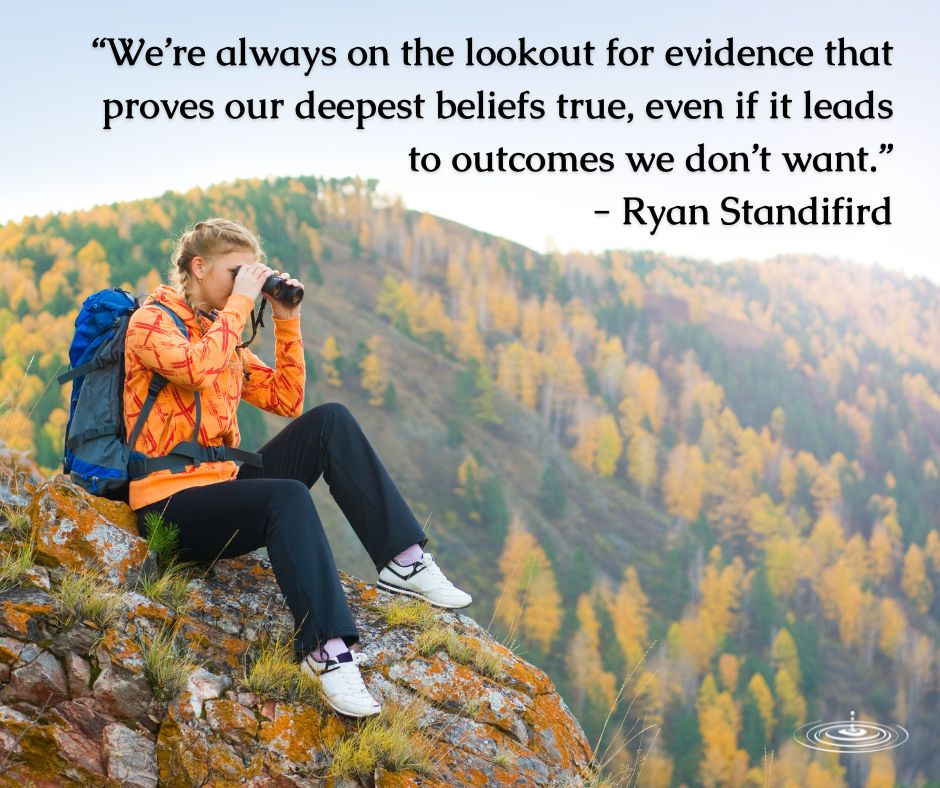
155,339
279,390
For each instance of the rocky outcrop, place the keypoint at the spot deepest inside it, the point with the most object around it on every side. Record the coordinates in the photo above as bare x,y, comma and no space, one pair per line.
79,705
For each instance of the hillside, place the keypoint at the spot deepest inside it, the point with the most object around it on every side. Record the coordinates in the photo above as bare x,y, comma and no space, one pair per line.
733,467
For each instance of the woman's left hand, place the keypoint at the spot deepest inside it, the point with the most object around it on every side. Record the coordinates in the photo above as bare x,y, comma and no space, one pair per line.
281,310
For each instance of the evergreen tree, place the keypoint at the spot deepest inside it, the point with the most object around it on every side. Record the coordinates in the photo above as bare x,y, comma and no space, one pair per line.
494,510
391,398
551,498
580,577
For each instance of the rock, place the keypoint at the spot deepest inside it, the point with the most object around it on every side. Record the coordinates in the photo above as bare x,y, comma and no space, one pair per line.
120,691
130,757
80,531
79,674
104,726
19,476
84,718
42,681
202,686
78,637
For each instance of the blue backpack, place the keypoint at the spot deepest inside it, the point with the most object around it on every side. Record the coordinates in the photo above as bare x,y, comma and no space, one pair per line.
98,456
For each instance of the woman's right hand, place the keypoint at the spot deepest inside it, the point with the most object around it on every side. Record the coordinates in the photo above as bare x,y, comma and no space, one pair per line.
250,279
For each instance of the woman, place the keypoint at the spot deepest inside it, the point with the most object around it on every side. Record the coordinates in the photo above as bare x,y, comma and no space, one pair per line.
223,510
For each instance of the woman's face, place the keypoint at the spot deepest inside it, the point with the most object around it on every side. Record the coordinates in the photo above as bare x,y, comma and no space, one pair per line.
217,278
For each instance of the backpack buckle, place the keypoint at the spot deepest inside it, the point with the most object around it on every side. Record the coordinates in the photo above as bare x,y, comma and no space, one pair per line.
215,453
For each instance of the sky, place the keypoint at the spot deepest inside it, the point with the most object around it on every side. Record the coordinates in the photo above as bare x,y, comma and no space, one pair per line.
55,155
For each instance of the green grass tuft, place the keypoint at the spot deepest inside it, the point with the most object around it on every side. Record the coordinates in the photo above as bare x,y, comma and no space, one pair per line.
162,538
83,595
166,664
17,517
169,587
15,561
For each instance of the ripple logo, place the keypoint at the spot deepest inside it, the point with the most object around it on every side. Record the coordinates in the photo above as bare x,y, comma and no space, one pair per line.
850,736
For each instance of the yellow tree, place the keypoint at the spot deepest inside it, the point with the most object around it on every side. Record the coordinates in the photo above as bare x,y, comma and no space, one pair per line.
331,359
784,654
684,481
528,603
609,446
374,371
893,627
721,592
594,689
93,269
932,549
914,581
764,700
881,773
722,764
883,552
629,611
641,460
467,339
585,448
792,703
728,666
783,566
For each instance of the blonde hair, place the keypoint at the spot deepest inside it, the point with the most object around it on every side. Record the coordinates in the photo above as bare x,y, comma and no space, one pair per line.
209,239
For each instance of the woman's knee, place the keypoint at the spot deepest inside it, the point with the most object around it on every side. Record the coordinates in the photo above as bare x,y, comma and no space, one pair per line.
335,410
290,496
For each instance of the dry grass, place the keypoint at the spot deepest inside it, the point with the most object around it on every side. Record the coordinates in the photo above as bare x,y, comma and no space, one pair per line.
166,664
471,708
82,595
274,674
169,587
402,612
391,739
505,758
17,518
462,649
15,561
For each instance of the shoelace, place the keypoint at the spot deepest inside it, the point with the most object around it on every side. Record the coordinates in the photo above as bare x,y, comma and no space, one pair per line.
352,680
434,571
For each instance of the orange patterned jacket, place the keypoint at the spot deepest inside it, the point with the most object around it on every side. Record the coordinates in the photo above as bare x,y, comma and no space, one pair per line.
207,362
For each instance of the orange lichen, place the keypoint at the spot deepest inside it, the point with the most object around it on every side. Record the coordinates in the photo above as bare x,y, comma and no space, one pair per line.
295,730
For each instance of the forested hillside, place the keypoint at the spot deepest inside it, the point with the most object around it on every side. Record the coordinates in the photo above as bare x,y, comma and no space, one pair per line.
717,484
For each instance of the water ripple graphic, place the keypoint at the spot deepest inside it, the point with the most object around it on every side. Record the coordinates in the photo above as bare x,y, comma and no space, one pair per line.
851,736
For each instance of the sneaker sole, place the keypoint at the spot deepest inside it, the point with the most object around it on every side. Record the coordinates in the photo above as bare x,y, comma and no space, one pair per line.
349,713
396,590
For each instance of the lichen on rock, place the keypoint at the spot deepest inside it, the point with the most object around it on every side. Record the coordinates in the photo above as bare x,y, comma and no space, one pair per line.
78,705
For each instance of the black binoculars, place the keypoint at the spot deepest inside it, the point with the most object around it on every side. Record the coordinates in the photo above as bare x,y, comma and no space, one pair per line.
279,290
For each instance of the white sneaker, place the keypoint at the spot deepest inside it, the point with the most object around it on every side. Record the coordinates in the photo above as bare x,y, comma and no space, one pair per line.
342,684
422,579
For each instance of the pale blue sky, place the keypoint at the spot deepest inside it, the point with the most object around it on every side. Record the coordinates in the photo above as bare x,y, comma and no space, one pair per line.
54,155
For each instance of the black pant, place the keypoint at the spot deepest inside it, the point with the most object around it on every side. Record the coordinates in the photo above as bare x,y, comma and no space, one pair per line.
271,507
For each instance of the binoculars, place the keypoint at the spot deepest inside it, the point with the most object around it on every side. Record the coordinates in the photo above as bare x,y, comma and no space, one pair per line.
279,290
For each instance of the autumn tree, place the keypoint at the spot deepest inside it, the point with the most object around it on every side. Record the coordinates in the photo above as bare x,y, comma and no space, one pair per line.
374,377
332,361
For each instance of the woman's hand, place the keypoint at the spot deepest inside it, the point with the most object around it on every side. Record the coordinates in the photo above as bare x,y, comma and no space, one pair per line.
250,279
281,310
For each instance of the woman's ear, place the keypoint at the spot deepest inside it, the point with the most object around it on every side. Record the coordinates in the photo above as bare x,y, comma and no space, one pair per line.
198,265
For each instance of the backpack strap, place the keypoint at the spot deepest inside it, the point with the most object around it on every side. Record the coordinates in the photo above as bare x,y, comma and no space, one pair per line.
84,369
186,452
